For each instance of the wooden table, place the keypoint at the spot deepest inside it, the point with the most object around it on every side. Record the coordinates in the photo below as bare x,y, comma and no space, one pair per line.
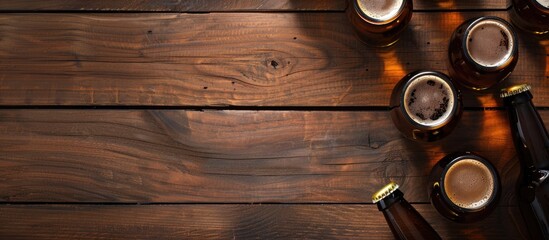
167,119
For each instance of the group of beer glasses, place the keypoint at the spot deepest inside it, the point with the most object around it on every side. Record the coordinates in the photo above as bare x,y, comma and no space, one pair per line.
426,105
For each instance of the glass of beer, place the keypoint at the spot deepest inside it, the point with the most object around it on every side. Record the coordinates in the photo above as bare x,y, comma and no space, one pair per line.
483,52
531,15
464,187
379,22
425,105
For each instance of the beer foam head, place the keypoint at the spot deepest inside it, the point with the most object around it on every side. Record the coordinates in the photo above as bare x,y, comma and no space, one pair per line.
428,100
469,184
380,10
543,3
490,43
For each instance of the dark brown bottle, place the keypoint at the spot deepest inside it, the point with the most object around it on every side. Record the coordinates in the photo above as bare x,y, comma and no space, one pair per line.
425,105
532,146
482,52
379,22
403,219
531,15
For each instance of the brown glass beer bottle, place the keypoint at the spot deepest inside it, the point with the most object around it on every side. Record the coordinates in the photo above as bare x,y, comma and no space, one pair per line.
532,146
403,219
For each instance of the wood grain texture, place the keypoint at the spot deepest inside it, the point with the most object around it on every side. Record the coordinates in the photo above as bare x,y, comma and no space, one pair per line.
227,5
234,222
178,5
244,59
461,5
229,156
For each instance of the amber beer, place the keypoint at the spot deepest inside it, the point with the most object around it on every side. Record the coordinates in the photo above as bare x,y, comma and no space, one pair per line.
531,15
379,22
425,105
403,219
482,52
464,187
532,146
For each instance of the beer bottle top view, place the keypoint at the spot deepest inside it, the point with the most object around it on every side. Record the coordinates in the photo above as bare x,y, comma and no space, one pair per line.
514,90
384,192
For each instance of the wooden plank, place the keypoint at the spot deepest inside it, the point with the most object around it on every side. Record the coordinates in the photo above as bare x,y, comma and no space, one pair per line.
234,222
460,5
178,5
227,5
229,156
244,59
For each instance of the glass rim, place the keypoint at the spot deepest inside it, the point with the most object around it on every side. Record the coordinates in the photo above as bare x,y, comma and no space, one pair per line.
540,7
509,58
441,76
495,178
375,21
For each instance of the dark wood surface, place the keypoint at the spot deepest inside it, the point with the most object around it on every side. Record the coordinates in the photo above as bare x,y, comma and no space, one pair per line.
139,119
189,5
230,156
227,5
235,221
219,59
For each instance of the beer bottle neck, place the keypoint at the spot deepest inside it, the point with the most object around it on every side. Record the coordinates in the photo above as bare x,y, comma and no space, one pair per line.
519,99
389,200
529,133
532,146
403,219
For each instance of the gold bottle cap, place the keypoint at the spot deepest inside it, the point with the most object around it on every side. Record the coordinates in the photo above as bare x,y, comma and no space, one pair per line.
514,90
384,192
